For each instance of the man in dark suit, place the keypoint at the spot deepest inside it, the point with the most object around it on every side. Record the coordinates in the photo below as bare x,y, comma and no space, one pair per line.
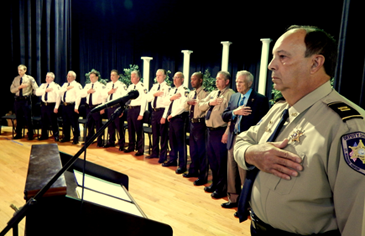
245,108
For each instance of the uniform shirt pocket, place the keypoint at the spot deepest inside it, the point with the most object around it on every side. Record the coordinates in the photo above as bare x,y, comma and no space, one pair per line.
282,186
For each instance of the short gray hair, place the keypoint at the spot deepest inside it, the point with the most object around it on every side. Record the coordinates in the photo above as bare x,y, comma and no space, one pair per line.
226,74
51,74
72,73
246,73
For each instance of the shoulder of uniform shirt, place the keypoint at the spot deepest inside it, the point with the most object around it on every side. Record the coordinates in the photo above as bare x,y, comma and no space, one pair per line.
344,108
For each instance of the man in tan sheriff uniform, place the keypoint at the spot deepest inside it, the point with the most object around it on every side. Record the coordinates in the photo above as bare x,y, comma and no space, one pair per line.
311,179
214,105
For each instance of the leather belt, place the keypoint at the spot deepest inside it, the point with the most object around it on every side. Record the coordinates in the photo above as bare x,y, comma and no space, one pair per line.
68,103
158,109
262,227
48,103
218,128
133,107
93,106
197,120
21,98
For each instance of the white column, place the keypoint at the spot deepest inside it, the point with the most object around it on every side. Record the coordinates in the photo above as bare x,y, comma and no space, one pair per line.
225,55
263,65
186,67
146,71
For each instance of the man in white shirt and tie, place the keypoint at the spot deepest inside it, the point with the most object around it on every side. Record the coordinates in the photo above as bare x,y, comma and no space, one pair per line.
50,97
157,96
175,114
136,110
115,89
94,93
70,101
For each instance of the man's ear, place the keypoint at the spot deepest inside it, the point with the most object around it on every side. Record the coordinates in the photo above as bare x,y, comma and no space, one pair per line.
317,63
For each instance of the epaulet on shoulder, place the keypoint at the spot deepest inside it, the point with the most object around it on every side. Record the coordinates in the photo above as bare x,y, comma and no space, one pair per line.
205,90
344,111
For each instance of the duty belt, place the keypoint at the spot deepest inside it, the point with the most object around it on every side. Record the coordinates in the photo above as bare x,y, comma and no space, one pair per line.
133,107
157,109
197,120
48,103
262,227
21,98
68,103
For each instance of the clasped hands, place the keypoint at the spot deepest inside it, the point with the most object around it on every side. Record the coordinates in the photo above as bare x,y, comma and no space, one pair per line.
271,158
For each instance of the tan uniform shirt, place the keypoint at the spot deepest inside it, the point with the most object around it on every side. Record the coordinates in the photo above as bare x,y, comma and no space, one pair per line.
27,91
201,93
215,119
328,194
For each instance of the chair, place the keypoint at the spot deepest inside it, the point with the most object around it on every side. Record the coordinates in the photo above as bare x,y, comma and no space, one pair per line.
147,129
11,117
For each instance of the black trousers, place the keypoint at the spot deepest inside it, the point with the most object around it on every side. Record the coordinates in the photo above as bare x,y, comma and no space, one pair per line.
177,139
135,127
70,118
198,155
48,118
217,157
94,121
159,131
22,109
117,124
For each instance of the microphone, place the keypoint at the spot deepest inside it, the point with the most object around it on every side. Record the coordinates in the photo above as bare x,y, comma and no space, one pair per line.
121,101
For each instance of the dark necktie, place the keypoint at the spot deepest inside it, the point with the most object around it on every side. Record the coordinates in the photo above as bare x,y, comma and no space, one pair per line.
155,99
243,202
91,97
21,90
111,95
64,95
211,108
237,127
170,107
46,94
192,107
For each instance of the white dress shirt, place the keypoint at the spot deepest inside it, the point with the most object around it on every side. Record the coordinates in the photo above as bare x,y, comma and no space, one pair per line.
52,96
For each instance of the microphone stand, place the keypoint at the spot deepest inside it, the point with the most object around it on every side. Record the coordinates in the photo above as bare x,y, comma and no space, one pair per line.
19,215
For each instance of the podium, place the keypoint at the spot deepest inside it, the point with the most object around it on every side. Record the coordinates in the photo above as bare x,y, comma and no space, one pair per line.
61,212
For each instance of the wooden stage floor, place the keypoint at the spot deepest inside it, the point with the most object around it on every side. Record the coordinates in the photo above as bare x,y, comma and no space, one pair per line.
162,194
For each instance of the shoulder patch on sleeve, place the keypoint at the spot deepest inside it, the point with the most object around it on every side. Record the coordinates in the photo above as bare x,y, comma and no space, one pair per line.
344,111
354,151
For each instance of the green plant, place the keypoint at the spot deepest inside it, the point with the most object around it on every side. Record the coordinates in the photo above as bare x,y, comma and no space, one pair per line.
103,81
126,76
208,81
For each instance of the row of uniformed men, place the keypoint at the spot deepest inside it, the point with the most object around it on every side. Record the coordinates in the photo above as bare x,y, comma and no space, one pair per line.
209,131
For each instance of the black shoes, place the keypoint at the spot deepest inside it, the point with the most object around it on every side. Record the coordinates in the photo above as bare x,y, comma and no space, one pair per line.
151,157
138,154
189,175
200,182
169,163
42,138
17,137
218,195
128,150
209,189
65,140
229,204
109,145
180,170
74,141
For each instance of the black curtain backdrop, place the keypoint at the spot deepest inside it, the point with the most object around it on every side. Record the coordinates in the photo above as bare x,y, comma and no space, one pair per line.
80,35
